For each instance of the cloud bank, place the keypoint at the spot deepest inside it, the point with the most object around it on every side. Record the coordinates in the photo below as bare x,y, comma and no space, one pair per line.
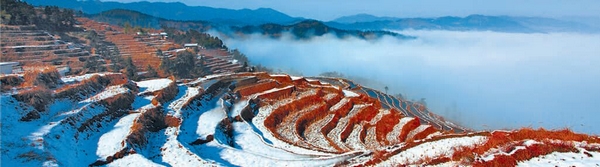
484,80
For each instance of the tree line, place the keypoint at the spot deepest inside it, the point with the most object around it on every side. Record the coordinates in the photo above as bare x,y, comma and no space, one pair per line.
15,12
193,36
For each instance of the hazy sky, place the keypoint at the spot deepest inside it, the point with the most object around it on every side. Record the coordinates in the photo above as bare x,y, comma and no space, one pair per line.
331,9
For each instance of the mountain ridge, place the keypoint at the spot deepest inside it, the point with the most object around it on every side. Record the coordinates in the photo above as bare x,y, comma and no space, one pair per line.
474,22
305,29
254,17
178,11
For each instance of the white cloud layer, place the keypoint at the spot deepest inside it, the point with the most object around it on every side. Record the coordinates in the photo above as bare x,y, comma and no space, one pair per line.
492,80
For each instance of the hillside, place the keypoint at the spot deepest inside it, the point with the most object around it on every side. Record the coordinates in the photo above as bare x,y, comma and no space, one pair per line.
310,28
177,11
252,119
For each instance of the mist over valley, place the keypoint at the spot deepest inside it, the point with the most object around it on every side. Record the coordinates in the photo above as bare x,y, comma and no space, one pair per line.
482,79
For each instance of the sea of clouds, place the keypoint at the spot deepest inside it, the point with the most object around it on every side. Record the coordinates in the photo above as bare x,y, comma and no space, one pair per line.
483,80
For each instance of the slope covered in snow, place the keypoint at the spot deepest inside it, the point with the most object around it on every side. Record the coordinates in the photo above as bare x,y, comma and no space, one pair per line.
255,119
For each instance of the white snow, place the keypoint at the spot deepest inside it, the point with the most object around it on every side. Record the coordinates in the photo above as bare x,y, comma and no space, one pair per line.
314,136
353,140
348,93
153,85
392,137
269,91
259,119
79,78
379,116
107,93
443,147
110,142
208,77
208,121
175,106
176,155
530,142
251,143
564,159
237,108
336,132
278,75
134,160
417,130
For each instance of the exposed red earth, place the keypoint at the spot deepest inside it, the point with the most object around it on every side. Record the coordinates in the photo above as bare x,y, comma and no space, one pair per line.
253,119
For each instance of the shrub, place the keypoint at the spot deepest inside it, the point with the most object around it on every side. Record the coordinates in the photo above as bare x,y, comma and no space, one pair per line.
226,127
166,94
247,112
10,81
152,120
47,77
209,138
37,97
116,79
119,102
85,87
172,121
116,106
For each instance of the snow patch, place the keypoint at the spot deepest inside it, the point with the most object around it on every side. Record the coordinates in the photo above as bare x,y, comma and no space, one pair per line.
134,160
153,85
110,142
564,159
208,121
348,93
439,148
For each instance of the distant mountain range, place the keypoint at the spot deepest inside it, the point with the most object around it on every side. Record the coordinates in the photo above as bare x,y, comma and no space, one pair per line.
301,30
362,18
309,28
177,11
469,23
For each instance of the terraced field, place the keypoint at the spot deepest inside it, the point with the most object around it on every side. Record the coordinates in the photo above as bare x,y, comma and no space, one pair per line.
255,119
31,46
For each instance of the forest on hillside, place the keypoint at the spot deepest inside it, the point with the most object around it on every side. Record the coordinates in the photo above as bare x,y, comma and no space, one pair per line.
50,18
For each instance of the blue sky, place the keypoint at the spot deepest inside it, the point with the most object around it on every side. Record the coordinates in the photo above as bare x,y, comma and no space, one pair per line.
331,9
